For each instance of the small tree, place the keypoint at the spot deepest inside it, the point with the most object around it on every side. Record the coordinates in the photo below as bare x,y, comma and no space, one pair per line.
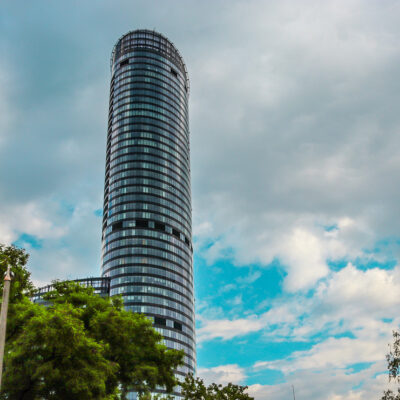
195,389
21,283
393,359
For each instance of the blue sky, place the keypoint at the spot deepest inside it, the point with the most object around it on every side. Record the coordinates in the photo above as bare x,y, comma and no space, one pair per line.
295,170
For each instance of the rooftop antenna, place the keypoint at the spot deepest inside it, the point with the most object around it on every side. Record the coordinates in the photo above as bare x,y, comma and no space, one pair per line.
294,396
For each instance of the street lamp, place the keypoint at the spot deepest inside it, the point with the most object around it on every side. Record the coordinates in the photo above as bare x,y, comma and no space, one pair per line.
3,317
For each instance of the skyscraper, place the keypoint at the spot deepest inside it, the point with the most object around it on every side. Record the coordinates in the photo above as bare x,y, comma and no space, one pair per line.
147,235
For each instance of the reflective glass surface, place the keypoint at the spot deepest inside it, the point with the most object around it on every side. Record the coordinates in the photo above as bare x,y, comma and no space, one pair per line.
147,237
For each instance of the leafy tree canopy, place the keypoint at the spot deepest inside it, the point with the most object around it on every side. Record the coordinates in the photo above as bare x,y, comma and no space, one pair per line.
195,389
17,259
80,346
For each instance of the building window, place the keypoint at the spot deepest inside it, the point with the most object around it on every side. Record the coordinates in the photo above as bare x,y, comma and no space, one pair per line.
176,233
159,226
117,226
160,321
177,325
142,223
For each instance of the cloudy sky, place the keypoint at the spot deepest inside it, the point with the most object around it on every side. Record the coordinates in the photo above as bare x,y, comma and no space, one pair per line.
295,124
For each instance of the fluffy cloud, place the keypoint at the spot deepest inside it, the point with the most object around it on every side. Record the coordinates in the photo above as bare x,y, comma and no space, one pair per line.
27,218
223,374
303,137
227,329
336,353
329,384
349,300
349,316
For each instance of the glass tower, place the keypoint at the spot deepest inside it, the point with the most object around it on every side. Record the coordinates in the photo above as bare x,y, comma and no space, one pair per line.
147,235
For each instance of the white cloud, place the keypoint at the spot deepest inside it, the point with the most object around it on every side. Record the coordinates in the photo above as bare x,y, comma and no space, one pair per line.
227,329
303,137
329,384
332,353
28,218
222,374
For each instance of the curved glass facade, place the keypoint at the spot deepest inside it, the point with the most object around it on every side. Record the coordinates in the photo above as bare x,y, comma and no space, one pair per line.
147,219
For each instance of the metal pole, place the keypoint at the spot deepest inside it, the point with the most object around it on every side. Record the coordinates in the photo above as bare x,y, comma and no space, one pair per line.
294,396
3,318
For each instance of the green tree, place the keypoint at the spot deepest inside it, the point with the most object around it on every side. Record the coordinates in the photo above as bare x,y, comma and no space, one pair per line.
21,283
80,346
52,357
393,360
195,389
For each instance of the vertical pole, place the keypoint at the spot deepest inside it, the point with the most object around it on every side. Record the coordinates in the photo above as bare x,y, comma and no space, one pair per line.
3,318
294,396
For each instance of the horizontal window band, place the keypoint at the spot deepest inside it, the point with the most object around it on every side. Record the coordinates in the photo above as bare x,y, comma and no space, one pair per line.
135,83
158,109
187,260
116,105
151,79
141,63
147,296
152,87
142,140
133,148
152,215
137,70
145,284
150,198
172,330
125,117
152,126
147,125
137,250
144,187
148,166
149,174
162,272
179,317
129,166
189,278
186,325
151,304
184,283
133,132
181,245
152,183
164,236
185,256
150,163
151,54
180,273
163,212
148,77
141,156
143,90
182,343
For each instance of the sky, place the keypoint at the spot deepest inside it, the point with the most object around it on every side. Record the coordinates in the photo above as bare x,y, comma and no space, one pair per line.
294,120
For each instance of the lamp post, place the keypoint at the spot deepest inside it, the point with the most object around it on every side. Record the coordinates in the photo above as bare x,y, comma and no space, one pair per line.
3,317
